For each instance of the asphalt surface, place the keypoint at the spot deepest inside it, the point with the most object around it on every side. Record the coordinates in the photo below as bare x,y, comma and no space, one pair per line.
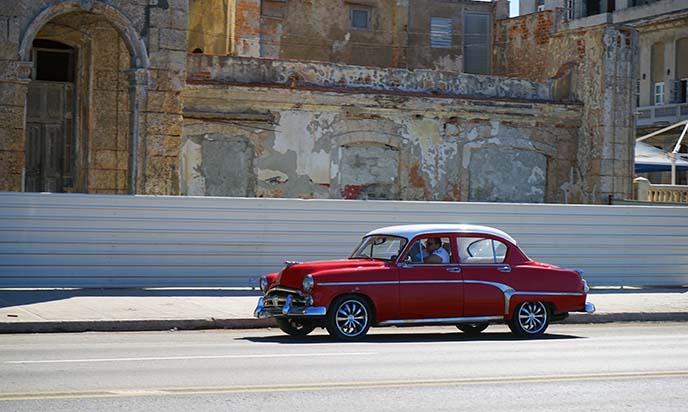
601,367
28,311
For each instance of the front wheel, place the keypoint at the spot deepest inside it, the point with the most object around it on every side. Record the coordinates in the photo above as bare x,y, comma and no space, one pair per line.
295,326
472,329
530,319
349,318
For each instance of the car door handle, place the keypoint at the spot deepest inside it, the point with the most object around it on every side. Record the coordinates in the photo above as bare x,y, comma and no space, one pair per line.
504,269
454,270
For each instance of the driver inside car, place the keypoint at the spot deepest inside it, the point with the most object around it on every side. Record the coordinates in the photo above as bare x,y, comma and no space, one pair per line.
436,253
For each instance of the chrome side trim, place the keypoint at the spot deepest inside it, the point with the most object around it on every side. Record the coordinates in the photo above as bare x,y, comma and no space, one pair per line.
441,320
472,265
550,293
390,282
430,282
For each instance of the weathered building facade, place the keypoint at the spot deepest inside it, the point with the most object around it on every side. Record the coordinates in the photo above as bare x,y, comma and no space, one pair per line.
414,34
385,100
596,66
661,93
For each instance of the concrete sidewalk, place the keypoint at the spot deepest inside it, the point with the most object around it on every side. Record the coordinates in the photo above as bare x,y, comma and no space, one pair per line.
79,310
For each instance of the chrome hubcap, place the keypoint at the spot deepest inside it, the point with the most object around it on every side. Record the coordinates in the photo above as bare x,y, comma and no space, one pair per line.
352,318
532,317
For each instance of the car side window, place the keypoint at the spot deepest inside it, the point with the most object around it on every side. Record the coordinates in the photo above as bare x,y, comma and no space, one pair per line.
477,250
433,250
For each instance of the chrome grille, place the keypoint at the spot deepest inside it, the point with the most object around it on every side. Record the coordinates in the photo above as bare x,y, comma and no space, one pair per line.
276,298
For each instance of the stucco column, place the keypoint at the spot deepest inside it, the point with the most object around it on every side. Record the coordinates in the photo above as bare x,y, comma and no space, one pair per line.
139,80
669,70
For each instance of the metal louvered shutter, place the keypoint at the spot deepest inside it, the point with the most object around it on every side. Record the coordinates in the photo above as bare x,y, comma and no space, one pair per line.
476,43
440,33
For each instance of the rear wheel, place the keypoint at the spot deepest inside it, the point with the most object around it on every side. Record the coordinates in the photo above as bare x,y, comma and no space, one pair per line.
295,326
530,319
349,318
472,329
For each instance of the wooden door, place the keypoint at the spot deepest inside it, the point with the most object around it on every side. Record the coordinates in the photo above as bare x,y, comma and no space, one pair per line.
49,136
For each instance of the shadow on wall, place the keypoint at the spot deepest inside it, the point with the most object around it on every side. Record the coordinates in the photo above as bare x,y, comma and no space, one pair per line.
20,297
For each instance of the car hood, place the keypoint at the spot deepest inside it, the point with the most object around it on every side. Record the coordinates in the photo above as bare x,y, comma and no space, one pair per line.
292,276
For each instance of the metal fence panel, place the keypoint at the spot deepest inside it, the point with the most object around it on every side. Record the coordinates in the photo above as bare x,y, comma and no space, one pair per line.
72,240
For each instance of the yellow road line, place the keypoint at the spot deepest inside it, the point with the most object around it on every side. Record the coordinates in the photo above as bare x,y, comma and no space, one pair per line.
311,387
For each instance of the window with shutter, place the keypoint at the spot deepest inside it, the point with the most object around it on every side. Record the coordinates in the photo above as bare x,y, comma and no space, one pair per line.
440,33
476,43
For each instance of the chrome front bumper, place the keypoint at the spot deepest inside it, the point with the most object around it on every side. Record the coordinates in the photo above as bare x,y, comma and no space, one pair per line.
589,307
288,309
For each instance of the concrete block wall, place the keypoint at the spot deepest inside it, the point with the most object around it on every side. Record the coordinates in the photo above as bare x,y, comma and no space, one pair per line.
71,240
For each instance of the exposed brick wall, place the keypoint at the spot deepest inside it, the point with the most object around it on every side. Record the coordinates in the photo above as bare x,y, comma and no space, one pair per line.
592,65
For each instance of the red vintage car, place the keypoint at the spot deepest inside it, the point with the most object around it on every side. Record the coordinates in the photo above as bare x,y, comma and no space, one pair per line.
465,275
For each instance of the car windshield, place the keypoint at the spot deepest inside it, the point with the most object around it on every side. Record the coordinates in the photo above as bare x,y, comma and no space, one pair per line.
380,247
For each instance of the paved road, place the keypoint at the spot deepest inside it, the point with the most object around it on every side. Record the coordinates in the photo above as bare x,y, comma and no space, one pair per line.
614,367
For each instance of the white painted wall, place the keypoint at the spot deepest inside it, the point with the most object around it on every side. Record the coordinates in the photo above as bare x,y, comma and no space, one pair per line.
70,240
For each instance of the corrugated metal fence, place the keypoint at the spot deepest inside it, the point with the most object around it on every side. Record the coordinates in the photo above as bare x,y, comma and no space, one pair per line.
69,240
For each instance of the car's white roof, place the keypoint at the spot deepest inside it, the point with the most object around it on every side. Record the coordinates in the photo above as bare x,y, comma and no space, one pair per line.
411,231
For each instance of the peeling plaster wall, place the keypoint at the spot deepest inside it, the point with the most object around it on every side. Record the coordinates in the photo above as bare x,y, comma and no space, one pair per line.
208,26
239,70
327,144
321,31
367,171
246,27
597,66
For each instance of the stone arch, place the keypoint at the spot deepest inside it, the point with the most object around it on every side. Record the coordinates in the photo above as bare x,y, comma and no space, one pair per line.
367,137
133,41
139,76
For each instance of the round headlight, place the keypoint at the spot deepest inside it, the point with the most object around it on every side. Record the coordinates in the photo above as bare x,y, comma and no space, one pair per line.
263,283
308,283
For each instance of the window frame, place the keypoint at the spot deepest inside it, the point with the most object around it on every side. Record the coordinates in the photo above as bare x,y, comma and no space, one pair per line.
658,93
264,11
442,36
364,242
369,12
468,38
453,258
480,238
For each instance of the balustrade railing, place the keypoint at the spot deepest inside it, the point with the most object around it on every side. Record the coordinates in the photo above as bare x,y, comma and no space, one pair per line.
648,192
668,113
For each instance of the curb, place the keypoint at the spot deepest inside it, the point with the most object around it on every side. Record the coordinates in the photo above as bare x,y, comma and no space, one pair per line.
252,323
580,318
134,325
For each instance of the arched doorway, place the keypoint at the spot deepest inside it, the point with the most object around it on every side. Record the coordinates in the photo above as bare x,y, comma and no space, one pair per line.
84,99
50,118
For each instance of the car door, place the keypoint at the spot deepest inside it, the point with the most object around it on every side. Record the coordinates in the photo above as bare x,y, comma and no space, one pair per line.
427,290
487,276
